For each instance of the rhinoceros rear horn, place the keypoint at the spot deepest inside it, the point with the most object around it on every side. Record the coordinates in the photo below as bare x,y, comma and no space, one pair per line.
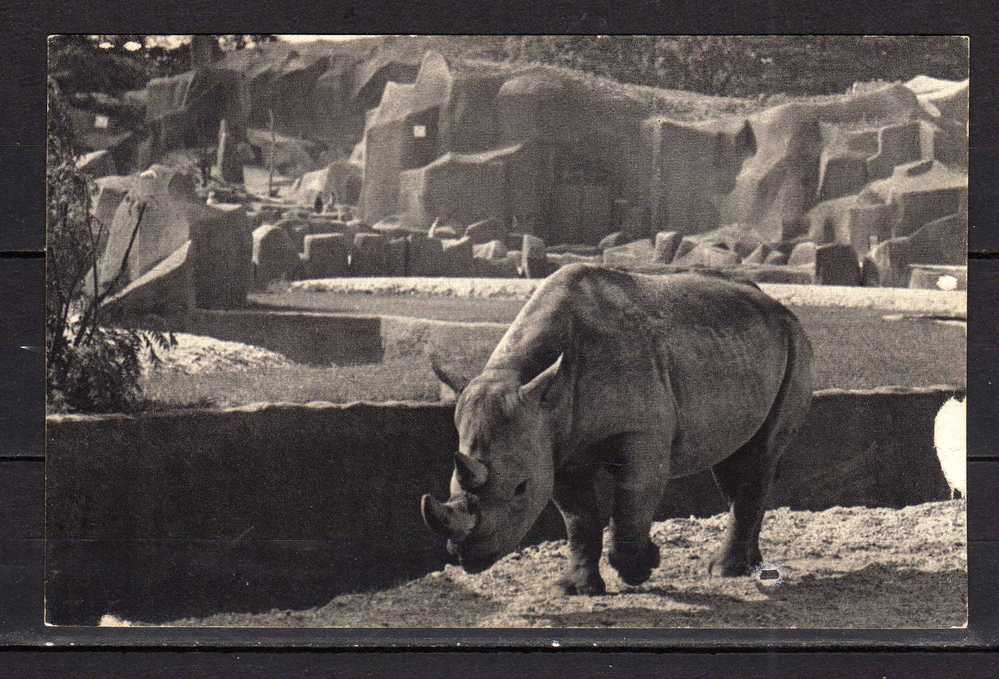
446,520
471,473
456,383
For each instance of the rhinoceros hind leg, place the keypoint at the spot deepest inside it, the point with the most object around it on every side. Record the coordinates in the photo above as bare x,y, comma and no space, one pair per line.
580,580
744,479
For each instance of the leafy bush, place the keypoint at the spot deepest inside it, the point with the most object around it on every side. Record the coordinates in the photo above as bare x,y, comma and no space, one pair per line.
90,367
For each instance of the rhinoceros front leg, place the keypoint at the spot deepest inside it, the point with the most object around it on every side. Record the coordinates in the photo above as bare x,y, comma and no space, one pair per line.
640,480
576,498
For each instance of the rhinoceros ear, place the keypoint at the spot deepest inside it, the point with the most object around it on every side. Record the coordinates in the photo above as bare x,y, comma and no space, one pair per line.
457,384
537,389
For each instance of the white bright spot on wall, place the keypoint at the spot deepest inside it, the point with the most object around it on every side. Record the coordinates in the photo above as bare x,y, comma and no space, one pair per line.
101,122
947,283
420,131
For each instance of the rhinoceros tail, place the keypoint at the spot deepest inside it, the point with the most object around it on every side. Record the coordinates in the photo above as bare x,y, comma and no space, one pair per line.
787,415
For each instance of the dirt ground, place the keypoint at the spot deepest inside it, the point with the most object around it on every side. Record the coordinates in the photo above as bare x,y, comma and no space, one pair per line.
841,568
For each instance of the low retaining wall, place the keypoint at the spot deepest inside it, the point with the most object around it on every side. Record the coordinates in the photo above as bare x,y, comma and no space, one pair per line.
186,513
304,337
344,339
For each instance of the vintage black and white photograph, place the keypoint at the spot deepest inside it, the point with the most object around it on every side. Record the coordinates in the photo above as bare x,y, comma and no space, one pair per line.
575,331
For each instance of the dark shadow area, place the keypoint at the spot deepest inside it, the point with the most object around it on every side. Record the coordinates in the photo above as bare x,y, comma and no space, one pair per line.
165,580
876,596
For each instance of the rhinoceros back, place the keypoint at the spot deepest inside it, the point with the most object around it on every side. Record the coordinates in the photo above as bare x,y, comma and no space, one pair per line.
700,359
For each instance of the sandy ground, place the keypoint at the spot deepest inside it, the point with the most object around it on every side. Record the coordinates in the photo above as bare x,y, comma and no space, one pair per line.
197,355
843,567
899,300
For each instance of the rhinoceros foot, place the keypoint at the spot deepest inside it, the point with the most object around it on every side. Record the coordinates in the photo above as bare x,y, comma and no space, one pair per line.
725,564
636,566
580,581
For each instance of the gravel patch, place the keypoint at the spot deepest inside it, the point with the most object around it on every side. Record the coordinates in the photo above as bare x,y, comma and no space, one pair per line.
198,355
846,567
898,300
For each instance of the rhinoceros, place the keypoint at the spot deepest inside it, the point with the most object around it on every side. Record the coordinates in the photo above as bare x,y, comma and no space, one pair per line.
649,377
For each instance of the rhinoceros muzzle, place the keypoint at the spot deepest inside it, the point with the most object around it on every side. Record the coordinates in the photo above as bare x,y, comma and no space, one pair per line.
453,519
456,518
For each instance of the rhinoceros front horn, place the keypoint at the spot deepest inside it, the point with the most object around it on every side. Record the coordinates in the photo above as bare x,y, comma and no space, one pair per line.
445,519
471,473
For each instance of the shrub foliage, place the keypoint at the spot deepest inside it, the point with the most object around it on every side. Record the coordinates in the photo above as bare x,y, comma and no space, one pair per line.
91,367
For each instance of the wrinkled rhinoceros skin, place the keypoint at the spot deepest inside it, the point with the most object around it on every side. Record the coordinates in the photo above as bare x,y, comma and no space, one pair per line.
649,377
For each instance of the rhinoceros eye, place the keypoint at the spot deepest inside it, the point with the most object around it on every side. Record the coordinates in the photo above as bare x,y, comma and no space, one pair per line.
521,488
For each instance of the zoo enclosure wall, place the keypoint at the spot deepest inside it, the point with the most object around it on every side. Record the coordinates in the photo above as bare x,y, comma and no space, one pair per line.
167,515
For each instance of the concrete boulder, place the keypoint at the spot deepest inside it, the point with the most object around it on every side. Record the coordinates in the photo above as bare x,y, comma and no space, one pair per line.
222,256
496,268
111,191
391,227
458,256
887,264
425,256
775,258
465,187
566,258
574,249
321,226
326,255
297,229
803,253
836,264
442,231
275,256
612,240
759,255
942,241
665,246
369,257
485,231
494,249
165,291
897,145
711,255
161,197
533,258
841,173
397,256
920,193
918,208
636,253
228,164
868,225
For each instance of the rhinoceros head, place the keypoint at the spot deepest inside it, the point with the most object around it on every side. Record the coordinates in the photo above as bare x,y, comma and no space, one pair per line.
504,467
